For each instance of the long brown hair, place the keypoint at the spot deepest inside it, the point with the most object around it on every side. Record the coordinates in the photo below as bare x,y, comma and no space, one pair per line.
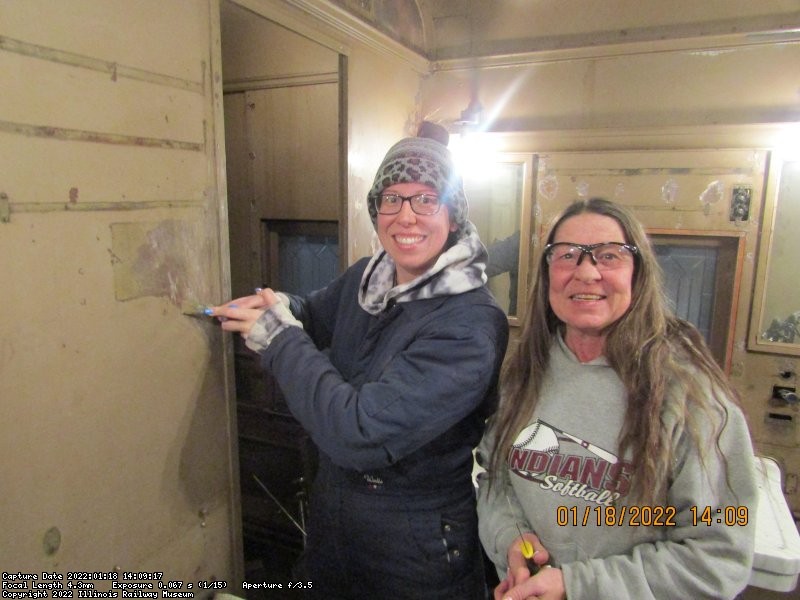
649,348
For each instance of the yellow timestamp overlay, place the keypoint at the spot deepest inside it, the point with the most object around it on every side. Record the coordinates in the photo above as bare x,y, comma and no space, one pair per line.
721,515
649,516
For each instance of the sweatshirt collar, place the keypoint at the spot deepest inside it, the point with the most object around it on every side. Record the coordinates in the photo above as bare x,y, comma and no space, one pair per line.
600,361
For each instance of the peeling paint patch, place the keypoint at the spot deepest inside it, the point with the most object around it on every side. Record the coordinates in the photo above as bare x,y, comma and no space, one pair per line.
166,259
73,195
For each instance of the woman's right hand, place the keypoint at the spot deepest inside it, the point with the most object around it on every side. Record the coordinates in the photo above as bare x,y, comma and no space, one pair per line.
547,584
261,299
520,583
240,314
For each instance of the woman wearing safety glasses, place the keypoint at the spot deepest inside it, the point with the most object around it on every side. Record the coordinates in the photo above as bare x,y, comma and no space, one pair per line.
618,457
392,370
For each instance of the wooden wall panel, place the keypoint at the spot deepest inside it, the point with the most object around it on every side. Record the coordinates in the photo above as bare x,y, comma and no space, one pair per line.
115,418
143,107
294,141
113,34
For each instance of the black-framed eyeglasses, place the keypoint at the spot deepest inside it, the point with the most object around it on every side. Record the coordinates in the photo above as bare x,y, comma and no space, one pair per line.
604,255
422,204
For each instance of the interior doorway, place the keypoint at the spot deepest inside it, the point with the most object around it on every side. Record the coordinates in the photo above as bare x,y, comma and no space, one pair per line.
284,149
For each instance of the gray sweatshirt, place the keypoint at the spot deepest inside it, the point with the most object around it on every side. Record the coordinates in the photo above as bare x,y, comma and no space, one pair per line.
562,484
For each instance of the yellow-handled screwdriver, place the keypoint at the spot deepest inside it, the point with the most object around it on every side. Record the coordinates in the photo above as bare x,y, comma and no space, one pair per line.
528,552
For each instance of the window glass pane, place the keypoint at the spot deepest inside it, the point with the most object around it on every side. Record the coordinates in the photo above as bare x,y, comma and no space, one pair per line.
307,262
689,276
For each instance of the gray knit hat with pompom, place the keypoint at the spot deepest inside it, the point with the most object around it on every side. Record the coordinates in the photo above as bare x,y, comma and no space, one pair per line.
426,161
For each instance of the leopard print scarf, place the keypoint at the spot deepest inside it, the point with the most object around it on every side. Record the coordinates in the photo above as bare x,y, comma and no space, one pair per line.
457,270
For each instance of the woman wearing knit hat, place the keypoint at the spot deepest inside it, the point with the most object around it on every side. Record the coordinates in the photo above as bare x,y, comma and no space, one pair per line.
392,370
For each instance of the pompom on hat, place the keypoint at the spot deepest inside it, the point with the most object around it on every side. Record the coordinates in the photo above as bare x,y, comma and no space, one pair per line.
427,161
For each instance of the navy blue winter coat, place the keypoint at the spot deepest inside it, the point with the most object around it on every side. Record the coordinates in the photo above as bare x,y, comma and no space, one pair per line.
395,403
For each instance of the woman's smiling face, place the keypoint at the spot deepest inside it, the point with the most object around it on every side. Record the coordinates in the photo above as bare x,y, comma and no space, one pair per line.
413,241
585,298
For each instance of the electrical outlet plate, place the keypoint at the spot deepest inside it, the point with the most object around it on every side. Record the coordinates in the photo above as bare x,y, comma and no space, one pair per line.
777,389
740,203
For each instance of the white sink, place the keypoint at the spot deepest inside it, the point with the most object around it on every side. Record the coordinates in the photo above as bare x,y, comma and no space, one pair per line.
777,552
